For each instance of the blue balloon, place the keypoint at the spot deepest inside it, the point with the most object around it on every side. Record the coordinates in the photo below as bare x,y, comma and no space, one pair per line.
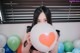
7,49
76,50
60,47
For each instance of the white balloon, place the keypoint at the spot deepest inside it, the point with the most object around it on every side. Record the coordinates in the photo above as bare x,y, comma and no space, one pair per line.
2,41
2,50
76,43
43,44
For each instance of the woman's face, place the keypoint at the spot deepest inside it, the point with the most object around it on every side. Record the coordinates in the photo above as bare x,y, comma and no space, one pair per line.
42,18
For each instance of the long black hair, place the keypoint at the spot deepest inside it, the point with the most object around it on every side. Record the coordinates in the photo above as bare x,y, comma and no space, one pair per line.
37,12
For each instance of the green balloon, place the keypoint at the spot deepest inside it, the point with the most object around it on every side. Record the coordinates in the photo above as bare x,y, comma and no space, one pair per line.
68,46
13,42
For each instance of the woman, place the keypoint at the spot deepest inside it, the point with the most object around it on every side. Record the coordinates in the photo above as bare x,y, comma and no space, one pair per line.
42,14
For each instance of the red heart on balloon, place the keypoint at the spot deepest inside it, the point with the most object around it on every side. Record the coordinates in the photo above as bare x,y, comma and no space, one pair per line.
47,40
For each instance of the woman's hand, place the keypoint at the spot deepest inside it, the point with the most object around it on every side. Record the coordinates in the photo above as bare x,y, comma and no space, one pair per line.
28,39
26,44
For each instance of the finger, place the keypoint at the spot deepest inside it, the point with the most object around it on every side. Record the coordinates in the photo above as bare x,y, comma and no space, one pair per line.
28,40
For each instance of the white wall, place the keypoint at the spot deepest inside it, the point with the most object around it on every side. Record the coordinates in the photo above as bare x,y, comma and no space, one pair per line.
69,30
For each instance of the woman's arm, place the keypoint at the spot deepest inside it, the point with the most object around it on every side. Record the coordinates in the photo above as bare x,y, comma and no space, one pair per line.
26,45
26,49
